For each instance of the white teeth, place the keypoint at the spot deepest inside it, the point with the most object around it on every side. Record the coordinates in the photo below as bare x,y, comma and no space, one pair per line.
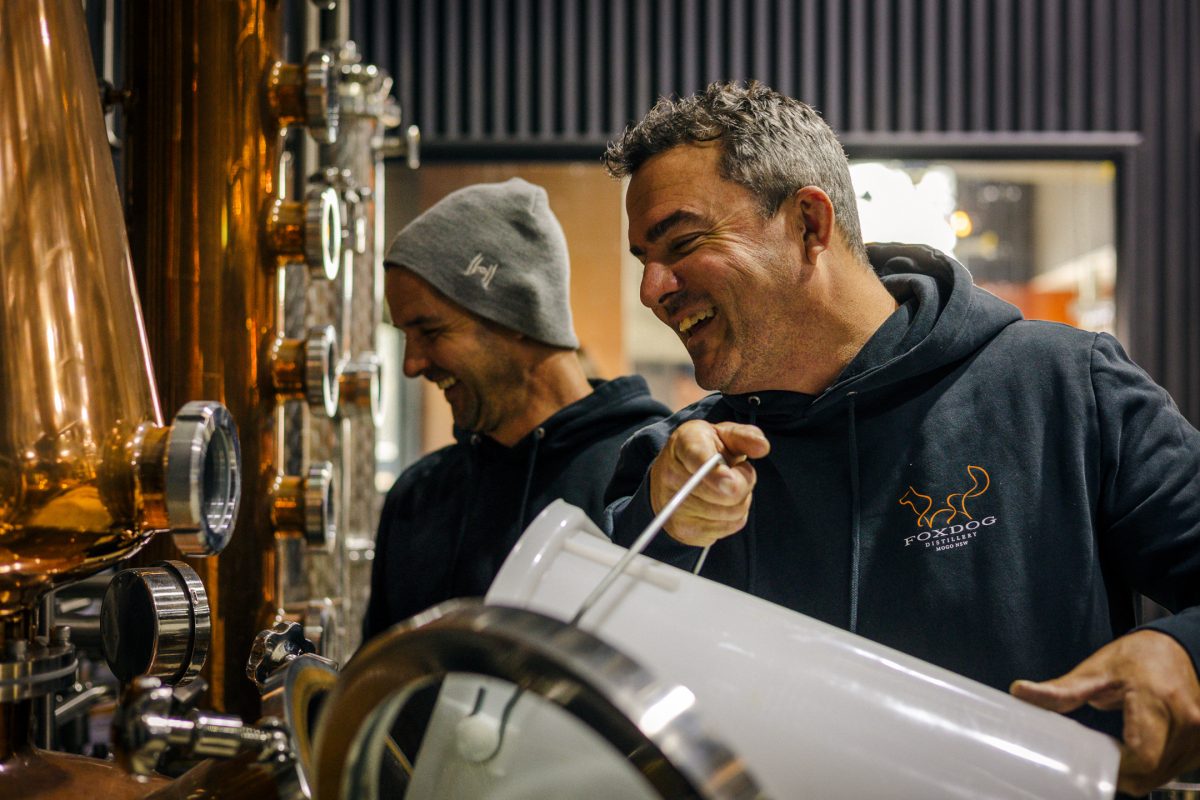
688,322
446,383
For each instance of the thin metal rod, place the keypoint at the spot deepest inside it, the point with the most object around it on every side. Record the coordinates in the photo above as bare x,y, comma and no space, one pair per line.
646,536
44,705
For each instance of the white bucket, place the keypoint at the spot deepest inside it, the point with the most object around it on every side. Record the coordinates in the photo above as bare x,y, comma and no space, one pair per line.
815,711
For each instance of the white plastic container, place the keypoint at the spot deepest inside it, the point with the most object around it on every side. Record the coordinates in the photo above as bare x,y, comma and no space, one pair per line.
815,711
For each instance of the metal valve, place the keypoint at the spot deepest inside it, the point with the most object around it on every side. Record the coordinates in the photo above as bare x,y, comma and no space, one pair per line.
156,621
307,94
275,647
361,387
366,89
306,506
353,207
294,683
308,369
189,477
146,725
409,147
308,232
323,233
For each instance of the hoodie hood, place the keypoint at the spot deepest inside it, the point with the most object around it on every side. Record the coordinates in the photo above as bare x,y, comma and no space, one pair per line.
613,407
942,318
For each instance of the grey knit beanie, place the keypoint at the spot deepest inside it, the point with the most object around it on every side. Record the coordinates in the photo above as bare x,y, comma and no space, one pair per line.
497,250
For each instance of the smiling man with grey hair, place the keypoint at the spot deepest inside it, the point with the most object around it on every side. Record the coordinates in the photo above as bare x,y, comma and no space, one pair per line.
906,457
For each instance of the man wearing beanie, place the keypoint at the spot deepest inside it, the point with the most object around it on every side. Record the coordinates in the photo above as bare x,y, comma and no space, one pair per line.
479,285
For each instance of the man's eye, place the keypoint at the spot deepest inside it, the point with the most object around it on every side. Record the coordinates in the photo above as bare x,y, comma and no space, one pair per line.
684,242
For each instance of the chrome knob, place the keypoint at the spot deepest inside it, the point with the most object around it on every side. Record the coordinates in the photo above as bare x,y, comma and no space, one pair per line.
202,478
307,94
321,386
353,205
322,104
147,723
308,369
306,506
156,621
275,647
323,232
141,726
309,233
412,147
408,146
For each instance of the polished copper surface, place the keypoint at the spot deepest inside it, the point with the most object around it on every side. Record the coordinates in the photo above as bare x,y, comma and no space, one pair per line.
48,775
287,506
284,231
74,367
202,154
285,93
216,779
287,368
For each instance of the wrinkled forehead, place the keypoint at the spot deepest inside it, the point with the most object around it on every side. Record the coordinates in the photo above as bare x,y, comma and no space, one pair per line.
678,173
682,184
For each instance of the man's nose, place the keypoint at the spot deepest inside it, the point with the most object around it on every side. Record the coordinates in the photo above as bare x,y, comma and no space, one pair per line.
658,282
415,361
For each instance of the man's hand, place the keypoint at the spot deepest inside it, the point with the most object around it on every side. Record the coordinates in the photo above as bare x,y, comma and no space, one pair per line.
720,504
1150,677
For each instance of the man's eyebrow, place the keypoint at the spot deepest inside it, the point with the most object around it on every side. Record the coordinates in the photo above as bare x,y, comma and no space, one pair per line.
658,229
418,321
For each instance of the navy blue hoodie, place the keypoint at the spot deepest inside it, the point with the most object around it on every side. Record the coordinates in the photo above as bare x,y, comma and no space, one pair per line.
978,490
451,518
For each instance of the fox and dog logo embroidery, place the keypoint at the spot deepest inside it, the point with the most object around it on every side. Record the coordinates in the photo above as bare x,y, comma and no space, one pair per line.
956,502
954,507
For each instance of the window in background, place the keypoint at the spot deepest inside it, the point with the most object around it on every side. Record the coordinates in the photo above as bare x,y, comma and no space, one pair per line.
1040,234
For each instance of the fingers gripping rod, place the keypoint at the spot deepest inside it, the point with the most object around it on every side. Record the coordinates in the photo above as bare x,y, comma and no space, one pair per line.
647,536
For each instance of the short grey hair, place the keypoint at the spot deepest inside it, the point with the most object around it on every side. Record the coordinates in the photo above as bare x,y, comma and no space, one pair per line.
770,143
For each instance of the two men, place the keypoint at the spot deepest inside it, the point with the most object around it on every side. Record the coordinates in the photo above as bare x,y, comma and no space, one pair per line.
479,285
926,468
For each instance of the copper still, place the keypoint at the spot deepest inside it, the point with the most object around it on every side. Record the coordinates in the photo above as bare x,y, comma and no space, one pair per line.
88,471
249,276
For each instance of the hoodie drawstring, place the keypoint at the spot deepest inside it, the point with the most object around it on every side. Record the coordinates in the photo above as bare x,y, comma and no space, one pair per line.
538,435
754,402
855,513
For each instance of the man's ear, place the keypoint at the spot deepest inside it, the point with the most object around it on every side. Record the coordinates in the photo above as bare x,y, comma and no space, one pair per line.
811,215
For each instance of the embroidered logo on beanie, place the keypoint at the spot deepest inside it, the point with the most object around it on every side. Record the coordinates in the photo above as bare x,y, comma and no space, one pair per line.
486,271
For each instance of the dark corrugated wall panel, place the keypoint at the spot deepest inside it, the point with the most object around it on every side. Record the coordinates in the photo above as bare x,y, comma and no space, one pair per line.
556,78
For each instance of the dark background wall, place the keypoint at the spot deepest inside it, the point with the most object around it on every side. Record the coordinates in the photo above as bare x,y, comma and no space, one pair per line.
1119,79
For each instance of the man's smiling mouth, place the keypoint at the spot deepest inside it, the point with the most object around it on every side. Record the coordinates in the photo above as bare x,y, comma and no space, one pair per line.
692,320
